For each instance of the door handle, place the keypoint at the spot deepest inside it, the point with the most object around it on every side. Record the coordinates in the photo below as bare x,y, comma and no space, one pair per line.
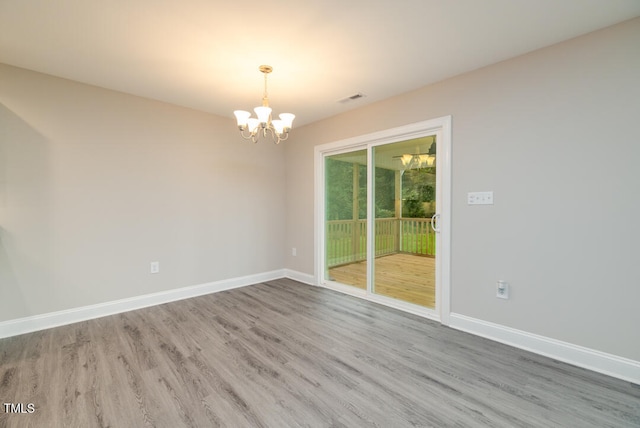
435,220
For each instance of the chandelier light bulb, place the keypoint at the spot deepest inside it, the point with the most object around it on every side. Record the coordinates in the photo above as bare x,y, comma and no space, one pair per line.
263,114
253,124
287,119
242,117
278,125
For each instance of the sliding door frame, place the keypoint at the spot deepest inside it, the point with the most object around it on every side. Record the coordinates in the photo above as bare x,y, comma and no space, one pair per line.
440,127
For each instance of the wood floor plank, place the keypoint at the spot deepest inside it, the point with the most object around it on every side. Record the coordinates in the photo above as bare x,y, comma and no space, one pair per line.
401,276
283,354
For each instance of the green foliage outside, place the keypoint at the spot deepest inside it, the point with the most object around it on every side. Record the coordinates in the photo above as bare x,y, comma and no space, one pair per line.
418,191
339,190
385,187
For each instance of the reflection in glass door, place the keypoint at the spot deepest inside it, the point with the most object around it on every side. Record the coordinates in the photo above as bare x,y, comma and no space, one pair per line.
346,218
404,204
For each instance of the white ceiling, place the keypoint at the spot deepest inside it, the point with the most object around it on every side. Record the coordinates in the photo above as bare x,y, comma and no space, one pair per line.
205,54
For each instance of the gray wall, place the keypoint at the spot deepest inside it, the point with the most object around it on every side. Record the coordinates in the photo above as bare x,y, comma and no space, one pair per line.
96,184
555,135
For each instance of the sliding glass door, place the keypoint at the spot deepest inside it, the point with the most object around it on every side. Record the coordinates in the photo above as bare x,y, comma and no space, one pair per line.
346,218
404,203
384,216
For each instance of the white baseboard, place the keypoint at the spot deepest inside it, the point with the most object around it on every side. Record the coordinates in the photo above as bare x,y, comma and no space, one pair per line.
305,278
591,359
69,316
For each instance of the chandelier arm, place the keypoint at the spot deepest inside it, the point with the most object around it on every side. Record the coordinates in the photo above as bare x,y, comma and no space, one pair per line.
274,135
270,129
246,137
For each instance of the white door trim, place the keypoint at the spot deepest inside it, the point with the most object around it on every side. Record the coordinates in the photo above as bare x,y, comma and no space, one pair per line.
441,126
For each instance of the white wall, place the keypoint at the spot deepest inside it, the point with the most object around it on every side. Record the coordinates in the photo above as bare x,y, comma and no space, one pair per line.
96,184
555,135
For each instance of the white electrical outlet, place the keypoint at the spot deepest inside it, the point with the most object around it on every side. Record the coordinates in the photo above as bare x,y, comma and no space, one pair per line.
294,251
502,290
480,198
155,267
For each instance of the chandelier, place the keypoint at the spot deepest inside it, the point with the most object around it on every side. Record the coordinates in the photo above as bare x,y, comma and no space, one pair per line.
252,128
419,160
416,161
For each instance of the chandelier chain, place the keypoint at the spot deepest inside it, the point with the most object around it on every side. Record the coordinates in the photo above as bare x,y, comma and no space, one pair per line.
265,97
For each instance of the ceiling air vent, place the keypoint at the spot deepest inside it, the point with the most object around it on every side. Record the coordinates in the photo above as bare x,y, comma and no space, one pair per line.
350,98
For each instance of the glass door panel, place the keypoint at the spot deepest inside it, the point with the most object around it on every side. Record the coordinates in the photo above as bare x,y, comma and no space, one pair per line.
346,218
404,201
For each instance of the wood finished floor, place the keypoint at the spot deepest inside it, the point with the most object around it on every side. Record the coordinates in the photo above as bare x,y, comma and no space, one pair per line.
283,354
400,276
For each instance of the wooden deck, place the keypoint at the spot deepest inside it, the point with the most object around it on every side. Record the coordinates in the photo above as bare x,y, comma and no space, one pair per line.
405,277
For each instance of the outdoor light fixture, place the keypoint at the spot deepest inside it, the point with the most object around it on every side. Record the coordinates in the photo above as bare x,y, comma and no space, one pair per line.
252,128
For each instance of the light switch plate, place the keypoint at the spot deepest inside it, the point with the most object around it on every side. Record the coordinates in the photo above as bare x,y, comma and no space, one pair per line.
480,198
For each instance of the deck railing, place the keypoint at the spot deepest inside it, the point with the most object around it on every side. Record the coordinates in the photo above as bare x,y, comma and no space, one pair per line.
346,240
